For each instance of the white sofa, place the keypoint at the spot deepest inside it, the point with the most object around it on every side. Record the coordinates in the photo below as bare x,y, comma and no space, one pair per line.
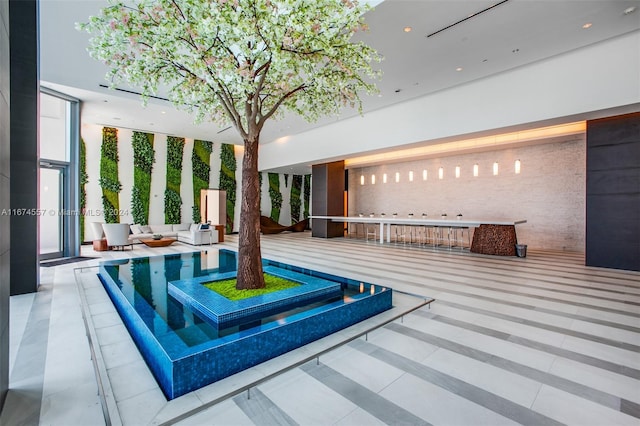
183,232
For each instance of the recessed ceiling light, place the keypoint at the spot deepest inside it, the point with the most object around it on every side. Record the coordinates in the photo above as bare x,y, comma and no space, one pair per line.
459,69
587,25
407,29
629,10
398,90
116,118
484,60
163,112
515,50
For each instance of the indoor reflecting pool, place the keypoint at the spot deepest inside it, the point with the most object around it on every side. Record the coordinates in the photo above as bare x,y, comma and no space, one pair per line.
176,322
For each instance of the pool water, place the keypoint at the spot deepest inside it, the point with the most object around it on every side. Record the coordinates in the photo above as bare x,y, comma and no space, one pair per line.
190,337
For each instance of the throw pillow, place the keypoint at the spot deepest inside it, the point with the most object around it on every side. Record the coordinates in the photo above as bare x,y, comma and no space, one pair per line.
135,228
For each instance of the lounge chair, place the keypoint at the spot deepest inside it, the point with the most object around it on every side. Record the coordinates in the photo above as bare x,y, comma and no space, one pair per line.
270,226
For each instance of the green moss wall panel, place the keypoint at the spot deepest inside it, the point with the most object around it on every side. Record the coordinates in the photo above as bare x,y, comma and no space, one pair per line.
295,200
109,175
143,159
228,181
275,195
172,199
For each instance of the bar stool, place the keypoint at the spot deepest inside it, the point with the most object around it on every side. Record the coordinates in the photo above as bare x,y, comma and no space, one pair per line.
425,233
370,229
442,236
352,229
458,236
396,230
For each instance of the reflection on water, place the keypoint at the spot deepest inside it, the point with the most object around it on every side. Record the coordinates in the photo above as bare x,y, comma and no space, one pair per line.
143,281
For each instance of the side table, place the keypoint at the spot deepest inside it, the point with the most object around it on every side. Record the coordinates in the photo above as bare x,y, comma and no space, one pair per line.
100,245
220,229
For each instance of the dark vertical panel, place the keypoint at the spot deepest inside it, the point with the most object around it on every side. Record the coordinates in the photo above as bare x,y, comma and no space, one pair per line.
24,85
328,198
4,199
613,192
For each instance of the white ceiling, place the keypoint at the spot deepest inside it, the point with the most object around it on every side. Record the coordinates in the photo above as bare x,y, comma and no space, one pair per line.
510,35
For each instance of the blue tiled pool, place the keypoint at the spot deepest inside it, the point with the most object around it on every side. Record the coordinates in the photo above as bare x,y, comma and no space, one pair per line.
190,337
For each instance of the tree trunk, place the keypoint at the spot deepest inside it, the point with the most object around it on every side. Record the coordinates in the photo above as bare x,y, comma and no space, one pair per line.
249,257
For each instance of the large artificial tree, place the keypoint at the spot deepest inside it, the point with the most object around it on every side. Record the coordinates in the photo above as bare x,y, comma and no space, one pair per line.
244,62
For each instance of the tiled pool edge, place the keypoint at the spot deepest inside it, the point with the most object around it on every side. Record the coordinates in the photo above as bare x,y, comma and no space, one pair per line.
221,311
190,404
107,398
178,375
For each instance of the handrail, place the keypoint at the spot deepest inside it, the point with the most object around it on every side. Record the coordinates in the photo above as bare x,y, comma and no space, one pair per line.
109,420
247,387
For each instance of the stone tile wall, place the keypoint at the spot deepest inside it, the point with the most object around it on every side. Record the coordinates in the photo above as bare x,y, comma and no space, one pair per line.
549,191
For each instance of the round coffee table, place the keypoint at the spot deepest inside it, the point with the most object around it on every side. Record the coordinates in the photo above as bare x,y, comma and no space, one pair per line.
162,242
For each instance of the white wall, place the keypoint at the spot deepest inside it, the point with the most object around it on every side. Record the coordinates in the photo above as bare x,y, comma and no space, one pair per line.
584,82
549,192
158,180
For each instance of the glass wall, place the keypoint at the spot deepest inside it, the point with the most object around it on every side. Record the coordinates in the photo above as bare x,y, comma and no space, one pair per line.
58,207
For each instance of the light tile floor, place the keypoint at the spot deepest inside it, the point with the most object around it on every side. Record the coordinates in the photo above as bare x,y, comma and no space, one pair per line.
540,340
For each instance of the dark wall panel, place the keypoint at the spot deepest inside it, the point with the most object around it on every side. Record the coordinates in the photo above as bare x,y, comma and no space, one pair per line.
327,198
613,192
23,36
5,200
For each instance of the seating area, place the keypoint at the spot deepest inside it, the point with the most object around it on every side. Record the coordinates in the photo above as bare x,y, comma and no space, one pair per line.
108,236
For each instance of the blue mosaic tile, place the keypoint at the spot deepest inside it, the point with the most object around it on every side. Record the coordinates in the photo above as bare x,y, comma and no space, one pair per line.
184,351
222,311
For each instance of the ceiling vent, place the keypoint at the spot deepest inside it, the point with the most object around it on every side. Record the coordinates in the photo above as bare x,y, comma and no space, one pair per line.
132,92
467,18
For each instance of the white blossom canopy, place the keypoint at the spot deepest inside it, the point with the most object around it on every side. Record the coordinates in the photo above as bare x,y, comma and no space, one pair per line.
243,61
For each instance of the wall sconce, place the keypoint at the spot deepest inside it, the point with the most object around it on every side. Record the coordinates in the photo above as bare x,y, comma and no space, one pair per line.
397,177
410,176
373,179
457,172
441,173
424,175
495,168
384,178
373,289
517,166
475,170
361,179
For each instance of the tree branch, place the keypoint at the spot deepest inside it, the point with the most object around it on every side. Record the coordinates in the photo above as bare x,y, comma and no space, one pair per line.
280,101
